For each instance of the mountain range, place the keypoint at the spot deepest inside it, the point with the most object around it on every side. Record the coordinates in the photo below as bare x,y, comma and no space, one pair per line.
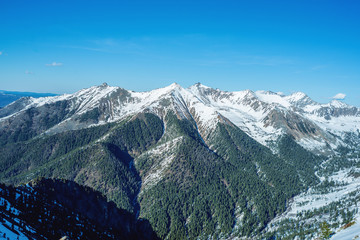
195,162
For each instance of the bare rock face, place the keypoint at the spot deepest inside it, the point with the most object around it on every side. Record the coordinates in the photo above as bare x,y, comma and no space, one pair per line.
293,123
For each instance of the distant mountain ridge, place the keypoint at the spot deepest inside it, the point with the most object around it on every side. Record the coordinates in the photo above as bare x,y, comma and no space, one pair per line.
263,115
7,97
195,162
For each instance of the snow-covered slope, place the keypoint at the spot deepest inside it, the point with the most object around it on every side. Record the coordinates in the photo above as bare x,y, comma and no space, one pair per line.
11,230
6,233
334,201
263,115
350,233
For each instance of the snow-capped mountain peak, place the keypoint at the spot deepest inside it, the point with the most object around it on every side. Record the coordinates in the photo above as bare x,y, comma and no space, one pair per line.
296,96
272,98
299,99
338,104
263,115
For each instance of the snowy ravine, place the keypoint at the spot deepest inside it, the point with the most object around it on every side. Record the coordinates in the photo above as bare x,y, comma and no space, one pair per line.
162,156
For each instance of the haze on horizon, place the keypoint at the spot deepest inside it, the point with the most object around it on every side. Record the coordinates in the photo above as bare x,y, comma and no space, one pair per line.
281,46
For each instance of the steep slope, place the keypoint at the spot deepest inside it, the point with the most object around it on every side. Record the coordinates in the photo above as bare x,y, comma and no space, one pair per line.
51,209
81,156
231,189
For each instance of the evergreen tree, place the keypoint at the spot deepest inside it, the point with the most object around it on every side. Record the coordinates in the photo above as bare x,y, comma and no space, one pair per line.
325,231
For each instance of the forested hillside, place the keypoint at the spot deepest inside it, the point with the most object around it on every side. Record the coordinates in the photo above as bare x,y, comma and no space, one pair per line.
202,192
169,157
52,209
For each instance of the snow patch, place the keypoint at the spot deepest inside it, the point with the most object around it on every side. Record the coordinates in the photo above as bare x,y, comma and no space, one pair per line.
162,156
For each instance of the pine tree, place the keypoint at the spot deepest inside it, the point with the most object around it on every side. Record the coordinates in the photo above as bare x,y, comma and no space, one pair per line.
325,230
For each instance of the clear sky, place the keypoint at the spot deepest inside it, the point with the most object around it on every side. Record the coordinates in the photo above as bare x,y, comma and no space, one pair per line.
283,46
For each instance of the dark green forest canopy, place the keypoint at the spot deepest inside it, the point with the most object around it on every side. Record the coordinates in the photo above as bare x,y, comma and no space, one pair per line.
202,193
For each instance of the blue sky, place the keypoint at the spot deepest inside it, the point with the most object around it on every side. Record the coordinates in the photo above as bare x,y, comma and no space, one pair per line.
282,46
